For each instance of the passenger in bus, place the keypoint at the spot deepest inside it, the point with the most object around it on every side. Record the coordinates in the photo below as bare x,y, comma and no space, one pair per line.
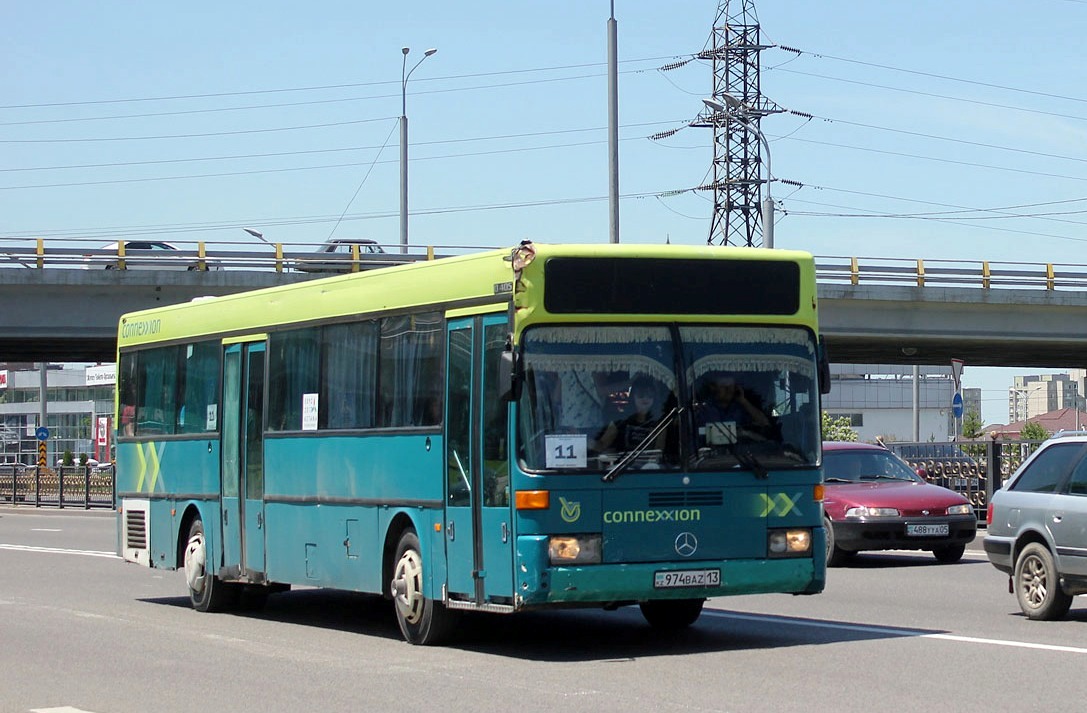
628,433
729,402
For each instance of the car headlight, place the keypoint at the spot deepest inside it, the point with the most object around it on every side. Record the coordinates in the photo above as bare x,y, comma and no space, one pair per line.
574,549
964,509
795,542
863,511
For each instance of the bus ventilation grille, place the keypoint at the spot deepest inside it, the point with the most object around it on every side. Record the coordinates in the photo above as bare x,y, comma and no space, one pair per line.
136,529
685,498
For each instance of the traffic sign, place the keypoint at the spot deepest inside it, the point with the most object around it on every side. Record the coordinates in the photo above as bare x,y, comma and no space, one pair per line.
956,405
42,433
41,454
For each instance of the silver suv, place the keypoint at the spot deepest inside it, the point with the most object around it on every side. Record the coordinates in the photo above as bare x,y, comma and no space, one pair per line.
1037,528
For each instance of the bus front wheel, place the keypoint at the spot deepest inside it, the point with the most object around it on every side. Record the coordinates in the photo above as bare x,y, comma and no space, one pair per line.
672,614
207,592
422,621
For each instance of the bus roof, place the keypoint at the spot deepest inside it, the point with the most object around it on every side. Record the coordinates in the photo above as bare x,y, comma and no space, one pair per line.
449,283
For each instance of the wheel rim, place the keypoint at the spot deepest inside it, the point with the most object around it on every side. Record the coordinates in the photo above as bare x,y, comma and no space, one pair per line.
408,587
1034,581
196,563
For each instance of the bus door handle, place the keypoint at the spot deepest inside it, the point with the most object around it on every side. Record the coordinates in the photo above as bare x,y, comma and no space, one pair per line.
260,520
451,530
505,533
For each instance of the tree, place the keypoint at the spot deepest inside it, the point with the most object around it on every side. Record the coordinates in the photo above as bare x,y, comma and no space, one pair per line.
1034,431
972,425
837,429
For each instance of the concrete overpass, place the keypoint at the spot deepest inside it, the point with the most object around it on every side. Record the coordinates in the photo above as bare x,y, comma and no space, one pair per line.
71,315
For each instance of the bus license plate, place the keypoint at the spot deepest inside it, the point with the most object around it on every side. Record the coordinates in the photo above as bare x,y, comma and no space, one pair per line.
687,578
927,530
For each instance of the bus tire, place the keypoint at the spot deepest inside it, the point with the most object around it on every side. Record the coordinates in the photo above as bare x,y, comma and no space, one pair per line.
672,614
207,592
422,621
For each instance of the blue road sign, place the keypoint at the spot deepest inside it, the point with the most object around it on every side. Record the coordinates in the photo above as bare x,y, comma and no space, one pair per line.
956,405
42,433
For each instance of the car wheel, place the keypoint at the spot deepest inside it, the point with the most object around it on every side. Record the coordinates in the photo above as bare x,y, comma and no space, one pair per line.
835,556
1037,584
672,614
422,621
949,553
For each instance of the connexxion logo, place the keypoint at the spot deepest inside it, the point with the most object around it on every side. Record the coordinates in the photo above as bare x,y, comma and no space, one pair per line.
626,517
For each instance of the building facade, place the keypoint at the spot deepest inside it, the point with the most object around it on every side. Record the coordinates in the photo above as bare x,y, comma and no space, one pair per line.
879,401
79,408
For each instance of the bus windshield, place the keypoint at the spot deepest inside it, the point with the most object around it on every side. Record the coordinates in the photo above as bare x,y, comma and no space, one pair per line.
661,397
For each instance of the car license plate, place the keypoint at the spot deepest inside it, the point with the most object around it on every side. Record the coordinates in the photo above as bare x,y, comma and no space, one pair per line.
687,578
927,530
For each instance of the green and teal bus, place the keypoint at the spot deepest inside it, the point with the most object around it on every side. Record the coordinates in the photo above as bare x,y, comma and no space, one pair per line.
536,427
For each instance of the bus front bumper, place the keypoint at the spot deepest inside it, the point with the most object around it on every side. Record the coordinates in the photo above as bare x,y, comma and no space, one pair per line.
539,583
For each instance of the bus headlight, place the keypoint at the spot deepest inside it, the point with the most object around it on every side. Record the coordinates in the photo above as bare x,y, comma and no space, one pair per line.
794,542
574,549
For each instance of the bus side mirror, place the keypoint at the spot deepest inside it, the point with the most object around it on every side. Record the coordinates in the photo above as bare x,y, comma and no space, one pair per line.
509,374
824,368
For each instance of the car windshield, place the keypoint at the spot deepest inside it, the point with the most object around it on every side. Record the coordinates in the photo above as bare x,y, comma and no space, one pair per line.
856,466
662,397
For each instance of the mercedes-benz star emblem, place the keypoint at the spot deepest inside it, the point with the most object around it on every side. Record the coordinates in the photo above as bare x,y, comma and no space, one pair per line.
686,544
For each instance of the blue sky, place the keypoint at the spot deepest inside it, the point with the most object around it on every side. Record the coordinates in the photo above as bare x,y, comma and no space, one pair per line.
190,122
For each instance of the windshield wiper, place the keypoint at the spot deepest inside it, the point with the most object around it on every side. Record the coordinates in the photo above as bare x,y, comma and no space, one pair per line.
748,460
626,460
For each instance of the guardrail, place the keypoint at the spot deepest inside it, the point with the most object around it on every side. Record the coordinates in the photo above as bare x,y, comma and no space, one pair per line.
224,256
67,486
298,257
918,272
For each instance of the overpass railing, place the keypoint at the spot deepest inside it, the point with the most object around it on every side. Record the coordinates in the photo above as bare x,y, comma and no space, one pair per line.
38,253
130,255
949,273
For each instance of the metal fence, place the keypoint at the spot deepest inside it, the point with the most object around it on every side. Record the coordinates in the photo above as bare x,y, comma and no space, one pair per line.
976,469
67,486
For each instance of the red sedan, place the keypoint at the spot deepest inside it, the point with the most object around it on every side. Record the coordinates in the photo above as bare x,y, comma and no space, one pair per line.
875,501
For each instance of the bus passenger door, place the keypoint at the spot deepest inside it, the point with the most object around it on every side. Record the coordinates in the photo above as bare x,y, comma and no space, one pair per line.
462,477
496,529
243,459
479,537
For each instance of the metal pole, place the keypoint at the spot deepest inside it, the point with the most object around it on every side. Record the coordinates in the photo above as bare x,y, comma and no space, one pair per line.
404,76
43,386
404,152
613,127
916,403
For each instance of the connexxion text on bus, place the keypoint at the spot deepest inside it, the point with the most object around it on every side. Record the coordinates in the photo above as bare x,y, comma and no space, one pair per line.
545,426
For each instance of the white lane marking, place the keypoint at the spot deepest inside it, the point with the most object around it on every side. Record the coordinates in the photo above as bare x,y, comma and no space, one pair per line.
58,550
905,633
46,529
62,709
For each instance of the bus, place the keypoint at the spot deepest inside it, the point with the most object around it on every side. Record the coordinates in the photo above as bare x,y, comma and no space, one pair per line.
537,427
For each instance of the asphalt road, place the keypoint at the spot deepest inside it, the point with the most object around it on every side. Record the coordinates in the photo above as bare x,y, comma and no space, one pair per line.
82,631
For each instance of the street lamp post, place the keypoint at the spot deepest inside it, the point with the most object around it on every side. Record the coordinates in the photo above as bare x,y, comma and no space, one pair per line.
404,75
257,234
736,109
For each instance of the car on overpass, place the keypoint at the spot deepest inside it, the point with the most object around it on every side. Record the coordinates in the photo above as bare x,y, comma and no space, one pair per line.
335,255
145,255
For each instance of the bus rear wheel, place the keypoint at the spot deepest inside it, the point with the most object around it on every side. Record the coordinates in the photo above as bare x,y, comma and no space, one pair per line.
672,614
207,592
422,621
